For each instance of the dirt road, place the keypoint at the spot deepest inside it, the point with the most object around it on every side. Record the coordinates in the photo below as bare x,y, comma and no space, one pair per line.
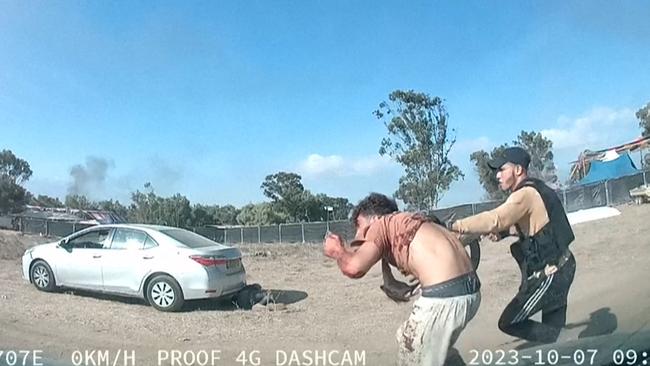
334,319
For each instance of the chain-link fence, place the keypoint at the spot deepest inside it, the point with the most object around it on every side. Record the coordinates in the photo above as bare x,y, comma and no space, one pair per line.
605,193
285,233
39,226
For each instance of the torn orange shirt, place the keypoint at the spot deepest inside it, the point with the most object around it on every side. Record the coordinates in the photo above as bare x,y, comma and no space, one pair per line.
393,235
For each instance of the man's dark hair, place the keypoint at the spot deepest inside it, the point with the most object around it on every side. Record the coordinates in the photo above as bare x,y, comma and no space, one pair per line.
375,204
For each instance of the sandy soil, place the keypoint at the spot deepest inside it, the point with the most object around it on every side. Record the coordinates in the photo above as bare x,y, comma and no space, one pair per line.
324,311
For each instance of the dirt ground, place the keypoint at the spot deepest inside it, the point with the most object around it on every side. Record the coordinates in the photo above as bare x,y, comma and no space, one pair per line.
318,309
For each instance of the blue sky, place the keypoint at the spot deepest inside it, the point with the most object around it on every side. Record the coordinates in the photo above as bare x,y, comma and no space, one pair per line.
207,98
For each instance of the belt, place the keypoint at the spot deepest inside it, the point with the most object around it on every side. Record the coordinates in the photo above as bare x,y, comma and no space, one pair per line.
462,285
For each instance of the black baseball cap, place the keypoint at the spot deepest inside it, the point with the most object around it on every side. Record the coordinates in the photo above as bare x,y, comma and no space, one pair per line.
515,155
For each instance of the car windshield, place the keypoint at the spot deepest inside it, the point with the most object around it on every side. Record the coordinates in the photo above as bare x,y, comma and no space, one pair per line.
188,238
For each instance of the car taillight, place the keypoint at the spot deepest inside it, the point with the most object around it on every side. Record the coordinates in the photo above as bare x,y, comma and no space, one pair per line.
208,261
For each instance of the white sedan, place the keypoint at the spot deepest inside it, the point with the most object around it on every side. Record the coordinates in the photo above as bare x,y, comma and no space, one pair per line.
163,265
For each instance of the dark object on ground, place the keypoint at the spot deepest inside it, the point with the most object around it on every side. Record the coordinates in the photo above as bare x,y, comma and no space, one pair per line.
249,296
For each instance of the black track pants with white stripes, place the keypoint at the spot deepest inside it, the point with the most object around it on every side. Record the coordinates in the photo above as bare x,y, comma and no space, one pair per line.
545,294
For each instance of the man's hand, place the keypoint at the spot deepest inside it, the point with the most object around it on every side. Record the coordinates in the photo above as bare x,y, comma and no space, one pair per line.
494,237
450,226
550,269
333,245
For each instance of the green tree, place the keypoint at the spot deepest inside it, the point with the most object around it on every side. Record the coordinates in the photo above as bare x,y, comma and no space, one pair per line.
487,176
14,171
541,162
13,197
45,201
115,207
419,139
202,216
260,214
643,115
14,168
145,208
80,202
226,215
313,209
341,207
541,156
176,211
286,191
149,208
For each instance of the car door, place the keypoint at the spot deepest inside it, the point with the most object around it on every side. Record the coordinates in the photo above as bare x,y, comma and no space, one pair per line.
128,260
80,262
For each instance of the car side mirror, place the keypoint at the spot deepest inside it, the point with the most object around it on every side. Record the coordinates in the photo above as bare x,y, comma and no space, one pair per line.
64,244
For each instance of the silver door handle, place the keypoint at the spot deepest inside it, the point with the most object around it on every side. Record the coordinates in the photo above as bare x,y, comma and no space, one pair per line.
97,256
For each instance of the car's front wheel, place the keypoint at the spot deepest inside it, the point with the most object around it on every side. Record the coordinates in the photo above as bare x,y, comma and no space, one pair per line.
42,276
164,293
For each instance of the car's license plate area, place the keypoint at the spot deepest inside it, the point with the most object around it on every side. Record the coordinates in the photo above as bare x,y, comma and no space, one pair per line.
233,264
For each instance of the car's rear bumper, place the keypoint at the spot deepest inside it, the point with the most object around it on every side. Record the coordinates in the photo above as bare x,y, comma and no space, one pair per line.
214,286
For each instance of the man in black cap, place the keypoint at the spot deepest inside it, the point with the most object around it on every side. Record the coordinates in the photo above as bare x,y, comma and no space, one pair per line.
533,212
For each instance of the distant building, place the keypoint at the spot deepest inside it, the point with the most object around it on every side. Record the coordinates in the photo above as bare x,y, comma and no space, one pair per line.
92,217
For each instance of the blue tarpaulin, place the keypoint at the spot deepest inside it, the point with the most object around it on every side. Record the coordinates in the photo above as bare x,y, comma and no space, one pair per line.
605,170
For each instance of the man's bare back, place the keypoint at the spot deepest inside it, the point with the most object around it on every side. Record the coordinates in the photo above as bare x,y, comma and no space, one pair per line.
436,255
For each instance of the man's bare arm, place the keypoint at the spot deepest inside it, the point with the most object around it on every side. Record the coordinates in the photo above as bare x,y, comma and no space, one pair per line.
354,264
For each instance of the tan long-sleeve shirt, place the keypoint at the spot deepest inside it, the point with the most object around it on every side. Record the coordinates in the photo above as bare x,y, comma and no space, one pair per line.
524,207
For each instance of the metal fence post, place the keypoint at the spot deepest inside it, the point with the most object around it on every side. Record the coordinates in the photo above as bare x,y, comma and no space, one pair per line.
280,232
641,158
473,209
259,234
607,193
564,197
302,227
645,180
225,235
47,227
74,226
242,235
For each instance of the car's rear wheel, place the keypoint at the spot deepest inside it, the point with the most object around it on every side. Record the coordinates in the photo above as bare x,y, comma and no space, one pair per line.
164,293
42,276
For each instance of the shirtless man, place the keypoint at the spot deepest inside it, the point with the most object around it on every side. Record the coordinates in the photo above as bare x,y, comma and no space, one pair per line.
450,294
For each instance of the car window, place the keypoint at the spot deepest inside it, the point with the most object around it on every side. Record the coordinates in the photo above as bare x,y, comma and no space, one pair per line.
150,243
95,239
188,238
129,239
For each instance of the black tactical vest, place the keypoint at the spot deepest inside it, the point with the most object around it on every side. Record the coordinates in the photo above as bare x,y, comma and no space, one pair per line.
534,252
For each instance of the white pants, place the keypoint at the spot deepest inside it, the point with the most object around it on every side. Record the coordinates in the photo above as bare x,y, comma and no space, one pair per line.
433,327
